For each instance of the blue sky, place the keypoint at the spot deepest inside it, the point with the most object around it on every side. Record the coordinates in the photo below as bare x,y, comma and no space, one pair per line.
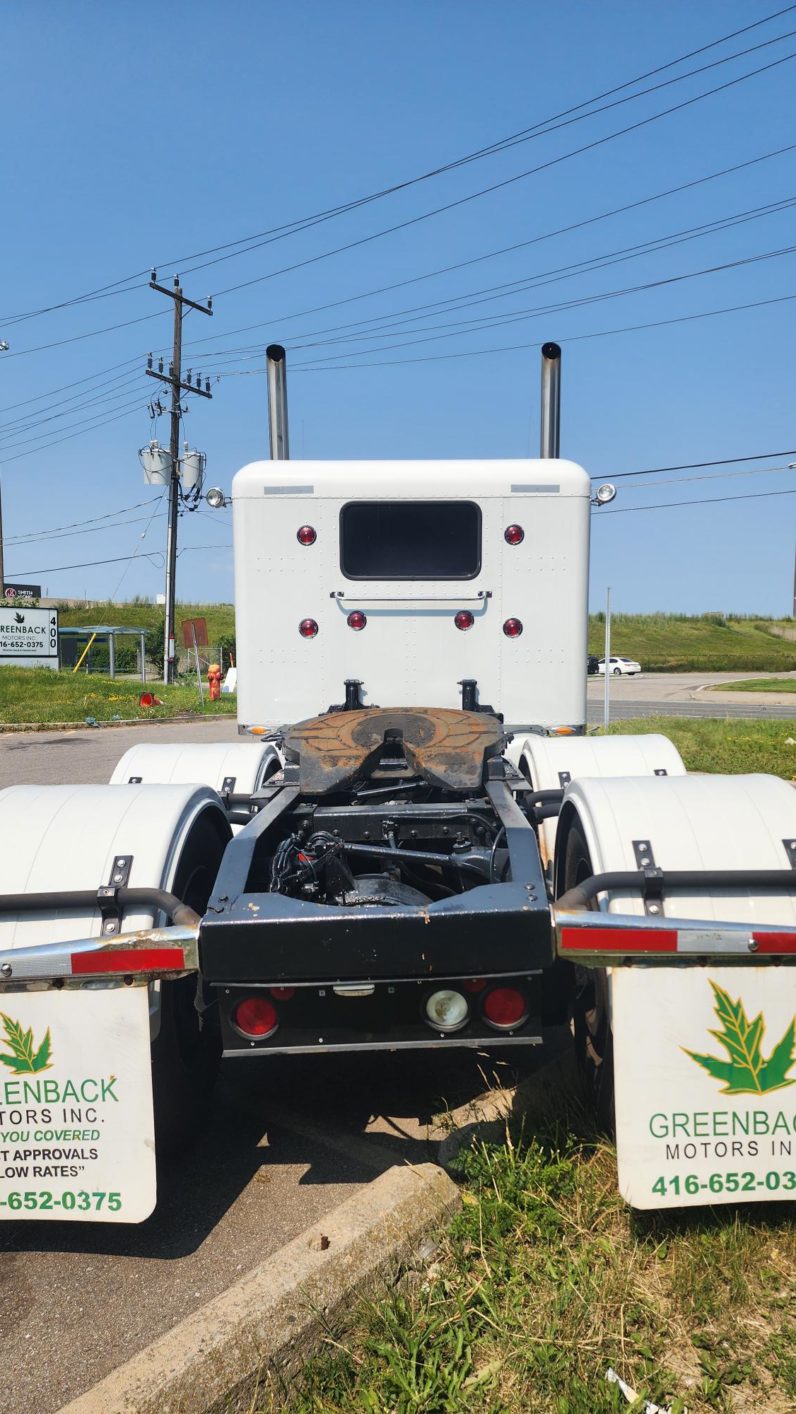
141,134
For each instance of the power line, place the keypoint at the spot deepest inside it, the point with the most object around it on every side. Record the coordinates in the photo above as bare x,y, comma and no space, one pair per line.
708,476
69,405
126,363
324,367
74,524
709,501
525,134
502,250
104,402
539,130
139,547
85,565
508,181
697,466
424,216
10,446
72,534
489,294
4,460
457,328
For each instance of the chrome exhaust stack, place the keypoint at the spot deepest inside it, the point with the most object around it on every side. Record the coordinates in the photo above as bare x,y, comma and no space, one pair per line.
276,366
550,440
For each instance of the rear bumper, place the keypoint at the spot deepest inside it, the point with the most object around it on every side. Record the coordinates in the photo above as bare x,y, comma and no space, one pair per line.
269,938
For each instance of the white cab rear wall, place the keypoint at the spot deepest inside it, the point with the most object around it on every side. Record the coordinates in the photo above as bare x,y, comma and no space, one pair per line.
410,653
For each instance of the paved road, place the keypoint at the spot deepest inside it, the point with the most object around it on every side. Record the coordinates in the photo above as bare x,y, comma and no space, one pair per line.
686,695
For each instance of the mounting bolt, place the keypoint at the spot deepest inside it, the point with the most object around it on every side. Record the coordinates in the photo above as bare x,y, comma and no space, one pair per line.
654,908
752,945
7,970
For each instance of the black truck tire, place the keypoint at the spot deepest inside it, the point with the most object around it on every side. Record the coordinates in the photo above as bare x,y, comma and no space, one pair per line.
594,1046
187,1049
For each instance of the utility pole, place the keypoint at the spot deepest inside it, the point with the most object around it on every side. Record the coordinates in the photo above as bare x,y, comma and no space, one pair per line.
174,379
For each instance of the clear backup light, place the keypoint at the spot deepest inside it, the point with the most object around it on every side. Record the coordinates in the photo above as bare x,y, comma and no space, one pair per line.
256,1018
356,619
505,1008
464,619
446,1010
514,534
512,628
308,628
306,535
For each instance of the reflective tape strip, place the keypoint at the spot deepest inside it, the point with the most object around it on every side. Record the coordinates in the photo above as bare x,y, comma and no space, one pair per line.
123,960
625,940
699,942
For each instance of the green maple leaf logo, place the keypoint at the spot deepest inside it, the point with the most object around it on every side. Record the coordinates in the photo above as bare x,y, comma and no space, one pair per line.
24,1058
746,1072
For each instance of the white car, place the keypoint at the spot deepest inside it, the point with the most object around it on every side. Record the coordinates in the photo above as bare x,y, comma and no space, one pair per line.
618,666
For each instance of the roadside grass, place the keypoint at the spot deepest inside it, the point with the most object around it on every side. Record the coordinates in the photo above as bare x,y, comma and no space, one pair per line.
39,695
546,1279
706,642
713,744
759,685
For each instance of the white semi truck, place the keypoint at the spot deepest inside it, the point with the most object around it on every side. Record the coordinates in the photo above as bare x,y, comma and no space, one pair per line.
414,843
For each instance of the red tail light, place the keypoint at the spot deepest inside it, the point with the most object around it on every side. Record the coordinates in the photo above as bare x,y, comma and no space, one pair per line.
306,535
512,628
356,619
464,619
505,1008
255,1017
308,628
514,534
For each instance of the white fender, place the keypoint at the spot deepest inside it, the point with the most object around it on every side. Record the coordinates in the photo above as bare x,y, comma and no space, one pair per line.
67,837
246,763
554,761
690,822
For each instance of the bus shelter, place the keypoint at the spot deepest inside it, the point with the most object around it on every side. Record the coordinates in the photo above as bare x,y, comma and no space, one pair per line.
72,640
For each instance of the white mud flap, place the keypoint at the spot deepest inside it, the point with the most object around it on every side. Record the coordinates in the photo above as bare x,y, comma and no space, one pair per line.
77,1135
705,1083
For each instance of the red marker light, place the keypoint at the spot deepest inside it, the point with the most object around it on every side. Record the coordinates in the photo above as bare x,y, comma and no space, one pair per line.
473,984
512,628
306,535
356,619
255,1017
282,994
308,628
464,619
514,534
505,1007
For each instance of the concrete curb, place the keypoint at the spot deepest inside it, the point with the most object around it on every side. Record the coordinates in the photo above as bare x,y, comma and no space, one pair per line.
271,1321
186,717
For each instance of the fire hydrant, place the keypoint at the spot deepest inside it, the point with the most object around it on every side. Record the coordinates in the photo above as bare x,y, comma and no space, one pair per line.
214,680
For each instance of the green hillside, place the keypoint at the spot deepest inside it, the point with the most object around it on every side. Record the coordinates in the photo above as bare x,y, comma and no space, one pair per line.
706,642
220,617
